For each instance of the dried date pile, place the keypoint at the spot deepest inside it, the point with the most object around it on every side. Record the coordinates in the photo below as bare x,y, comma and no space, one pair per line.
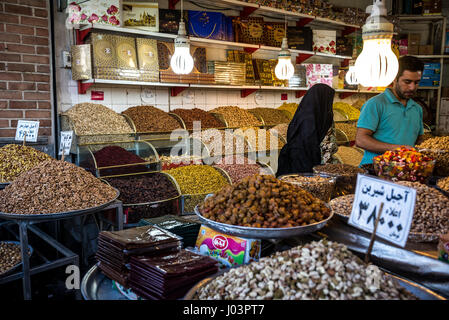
317,270
97,119
10,256
54,186
16,159
151,119
262,201
190,115
237,117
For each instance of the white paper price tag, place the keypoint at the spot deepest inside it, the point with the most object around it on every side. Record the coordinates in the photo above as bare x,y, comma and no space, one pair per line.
397,214
66,142
30,128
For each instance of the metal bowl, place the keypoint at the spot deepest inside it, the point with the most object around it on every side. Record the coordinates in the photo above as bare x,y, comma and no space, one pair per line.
262,233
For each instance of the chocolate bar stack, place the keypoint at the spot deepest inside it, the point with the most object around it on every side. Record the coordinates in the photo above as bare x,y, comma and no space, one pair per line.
169,276
186,229
115,248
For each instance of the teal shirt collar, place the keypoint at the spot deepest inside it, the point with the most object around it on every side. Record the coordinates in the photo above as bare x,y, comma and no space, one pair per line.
392,99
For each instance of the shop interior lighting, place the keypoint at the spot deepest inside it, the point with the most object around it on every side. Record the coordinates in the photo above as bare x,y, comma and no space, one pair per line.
182,62
284,69
377,65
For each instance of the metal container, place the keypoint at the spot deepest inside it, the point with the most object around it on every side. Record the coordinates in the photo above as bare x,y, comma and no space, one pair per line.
262,233
345,182
142,149
134,212
149,135
322,191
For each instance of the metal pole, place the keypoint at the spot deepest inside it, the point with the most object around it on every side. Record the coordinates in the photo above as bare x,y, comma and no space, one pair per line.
23,226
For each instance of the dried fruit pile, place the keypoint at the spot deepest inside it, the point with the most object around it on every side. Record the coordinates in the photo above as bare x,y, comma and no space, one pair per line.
262,201
54,186
317,270
237,117
151,119
190,115
270,116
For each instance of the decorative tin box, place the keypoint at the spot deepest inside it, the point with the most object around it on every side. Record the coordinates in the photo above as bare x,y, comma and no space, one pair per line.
300,38
230,73
127,58
148,59
95,11
324,41
105,65
319,73
205,24
81,62
169,20
262,72
274,33
298,80
249,30
141,15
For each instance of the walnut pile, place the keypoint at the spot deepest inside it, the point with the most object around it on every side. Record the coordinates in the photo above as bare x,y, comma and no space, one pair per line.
318,270
54,186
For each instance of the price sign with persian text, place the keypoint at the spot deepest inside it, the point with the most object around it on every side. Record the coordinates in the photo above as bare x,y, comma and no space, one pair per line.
66,142
27,128
397,213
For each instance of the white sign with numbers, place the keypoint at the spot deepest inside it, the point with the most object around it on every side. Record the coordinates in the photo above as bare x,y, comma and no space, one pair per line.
66,142
30,128
397,214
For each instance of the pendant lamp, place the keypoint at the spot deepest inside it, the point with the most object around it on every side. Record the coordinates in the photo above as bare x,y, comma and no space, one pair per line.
182,62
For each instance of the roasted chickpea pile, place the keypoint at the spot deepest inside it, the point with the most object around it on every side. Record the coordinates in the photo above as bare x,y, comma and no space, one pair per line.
262,201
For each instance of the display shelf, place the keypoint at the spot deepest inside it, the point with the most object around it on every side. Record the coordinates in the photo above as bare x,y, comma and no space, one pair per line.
420,17
432,56
134,83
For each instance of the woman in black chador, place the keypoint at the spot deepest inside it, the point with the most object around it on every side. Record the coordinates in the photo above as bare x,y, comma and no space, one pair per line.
311,134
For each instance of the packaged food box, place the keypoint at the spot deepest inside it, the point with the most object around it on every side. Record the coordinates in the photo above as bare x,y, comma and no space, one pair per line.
300,38
81,62
228,250
324,41
274,34
209,25
95,12
249,30
319,73
432,69
141,15
169,20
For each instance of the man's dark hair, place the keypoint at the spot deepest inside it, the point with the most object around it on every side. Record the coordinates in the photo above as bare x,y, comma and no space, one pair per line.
409,63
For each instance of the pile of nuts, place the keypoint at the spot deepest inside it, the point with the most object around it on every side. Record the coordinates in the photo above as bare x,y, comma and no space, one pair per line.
317,270
97,119
352,112
443,184
437,143
319,186
280,130
349,155
438,149
262,201
151,119
270,116
16,159
237,117
342,205
222,142
10,256
350,129
290,108
54,186
190,115
260,139
346,175
239,171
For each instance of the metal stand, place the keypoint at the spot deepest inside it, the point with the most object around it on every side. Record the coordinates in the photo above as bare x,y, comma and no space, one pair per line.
69,258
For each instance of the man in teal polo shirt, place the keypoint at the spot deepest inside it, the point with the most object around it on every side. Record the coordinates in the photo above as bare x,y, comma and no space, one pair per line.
392,119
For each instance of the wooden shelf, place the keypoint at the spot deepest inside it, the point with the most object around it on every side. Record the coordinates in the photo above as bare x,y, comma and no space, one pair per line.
134,83
420,17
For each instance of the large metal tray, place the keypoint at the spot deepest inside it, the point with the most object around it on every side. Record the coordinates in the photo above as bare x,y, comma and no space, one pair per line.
417,290
96,286
262,233
55,216
18,264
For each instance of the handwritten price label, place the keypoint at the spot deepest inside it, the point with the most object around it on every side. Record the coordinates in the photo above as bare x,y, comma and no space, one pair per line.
397,214
28,128
66,142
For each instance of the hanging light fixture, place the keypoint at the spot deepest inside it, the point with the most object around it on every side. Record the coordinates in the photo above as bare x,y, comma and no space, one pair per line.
284,69
182,62
351,76
377,65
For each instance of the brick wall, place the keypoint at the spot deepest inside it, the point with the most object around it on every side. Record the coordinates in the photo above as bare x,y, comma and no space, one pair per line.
24,65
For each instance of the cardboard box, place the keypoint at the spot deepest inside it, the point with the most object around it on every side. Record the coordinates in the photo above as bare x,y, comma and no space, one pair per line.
426,50
413,50
414,39
325,41
432,69
319,73
403,47
228,250
274,34
169,20
444,107
249,30
95,12
141,15
432,7
81,62
300,38
206,24
148,59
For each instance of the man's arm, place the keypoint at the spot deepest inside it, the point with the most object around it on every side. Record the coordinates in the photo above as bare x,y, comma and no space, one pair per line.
364,139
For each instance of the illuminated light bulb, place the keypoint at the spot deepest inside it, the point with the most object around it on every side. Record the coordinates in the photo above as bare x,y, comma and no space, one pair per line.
377,65
284,69
182,62
351,77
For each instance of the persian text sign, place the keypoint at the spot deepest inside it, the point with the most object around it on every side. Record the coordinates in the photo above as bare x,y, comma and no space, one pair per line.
66,142
397,214
28,128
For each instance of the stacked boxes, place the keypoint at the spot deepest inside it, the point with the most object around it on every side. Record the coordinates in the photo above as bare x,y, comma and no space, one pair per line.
431,75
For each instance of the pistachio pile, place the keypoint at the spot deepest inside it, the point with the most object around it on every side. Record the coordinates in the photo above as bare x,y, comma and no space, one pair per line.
97,119
10,256
270,116
54,186
16,159
317,270
151,119
290,108
262,201
237,117
352,112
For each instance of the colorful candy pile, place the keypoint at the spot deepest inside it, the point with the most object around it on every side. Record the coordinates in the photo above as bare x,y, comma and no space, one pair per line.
404,164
